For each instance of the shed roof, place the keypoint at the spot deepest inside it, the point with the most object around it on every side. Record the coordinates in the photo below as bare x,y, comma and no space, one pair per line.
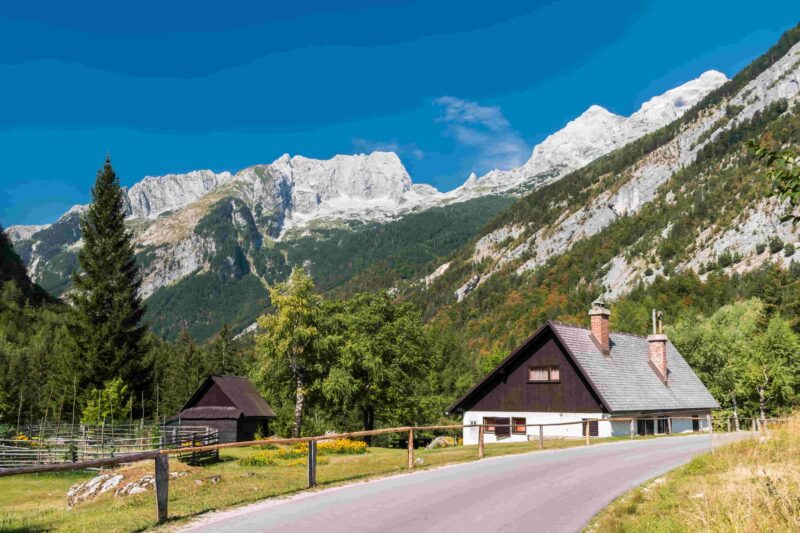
242,394
624,381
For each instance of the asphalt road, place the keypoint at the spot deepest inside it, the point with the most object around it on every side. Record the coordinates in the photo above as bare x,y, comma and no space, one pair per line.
557,490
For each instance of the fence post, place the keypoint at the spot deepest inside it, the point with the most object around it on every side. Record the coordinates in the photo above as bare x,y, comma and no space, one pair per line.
729,424
754,427
410,449
586,427
710,431
633,423
669,426
541,437
194,439
162,487
480,442
312,463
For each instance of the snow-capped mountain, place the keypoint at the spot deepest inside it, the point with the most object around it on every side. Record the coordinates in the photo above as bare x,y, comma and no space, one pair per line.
377,186
594,133
248,227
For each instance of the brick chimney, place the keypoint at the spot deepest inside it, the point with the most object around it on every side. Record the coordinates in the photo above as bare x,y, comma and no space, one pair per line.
657,347
599,315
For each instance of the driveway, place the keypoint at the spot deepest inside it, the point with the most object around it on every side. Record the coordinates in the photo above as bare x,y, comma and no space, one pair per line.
557,490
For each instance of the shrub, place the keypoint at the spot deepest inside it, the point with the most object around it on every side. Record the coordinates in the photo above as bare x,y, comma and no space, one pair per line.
760,247
648,271
775,245
788,250
725,259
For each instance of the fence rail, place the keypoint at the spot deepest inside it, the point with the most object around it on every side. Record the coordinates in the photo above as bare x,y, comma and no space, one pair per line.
161,457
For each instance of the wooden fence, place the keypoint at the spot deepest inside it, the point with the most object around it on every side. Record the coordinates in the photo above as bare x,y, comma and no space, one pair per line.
161,457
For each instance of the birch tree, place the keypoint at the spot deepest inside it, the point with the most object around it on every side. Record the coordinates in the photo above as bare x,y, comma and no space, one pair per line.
286,346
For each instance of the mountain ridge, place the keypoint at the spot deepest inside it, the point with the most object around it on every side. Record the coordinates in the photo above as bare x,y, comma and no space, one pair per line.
243,226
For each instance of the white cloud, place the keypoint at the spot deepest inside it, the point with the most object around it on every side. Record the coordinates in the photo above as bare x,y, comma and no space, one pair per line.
485,129
402,150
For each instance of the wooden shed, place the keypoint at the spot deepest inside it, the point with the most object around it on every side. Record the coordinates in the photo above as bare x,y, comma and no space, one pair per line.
229,404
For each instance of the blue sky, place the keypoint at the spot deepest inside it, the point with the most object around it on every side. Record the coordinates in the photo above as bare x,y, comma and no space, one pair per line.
452,86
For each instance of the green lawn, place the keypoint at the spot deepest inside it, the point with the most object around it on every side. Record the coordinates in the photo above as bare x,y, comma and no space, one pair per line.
38,502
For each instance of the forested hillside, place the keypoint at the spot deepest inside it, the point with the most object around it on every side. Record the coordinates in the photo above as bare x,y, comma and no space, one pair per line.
686,204
233,290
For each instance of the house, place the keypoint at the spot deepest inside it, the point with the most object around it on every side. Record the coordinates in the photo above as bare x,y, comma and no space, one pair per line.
230,404
565,373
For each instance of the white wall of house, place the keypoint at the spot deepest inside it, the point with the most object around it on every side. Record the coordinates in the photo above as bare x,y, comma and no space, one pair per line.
606,427
532,433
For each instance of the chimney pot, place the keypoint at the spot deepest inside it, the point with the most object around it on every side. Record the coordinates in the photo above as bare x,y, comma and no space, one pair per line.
599,316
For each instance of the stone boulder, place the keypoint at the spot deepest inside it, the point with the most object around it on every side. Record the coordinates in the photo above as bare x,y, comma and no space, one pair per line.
441,442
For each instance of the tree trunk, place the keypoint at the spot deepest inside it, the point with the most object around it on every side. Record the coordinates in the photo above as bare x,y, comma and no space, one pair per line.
299,400
369,422
735,412
761,403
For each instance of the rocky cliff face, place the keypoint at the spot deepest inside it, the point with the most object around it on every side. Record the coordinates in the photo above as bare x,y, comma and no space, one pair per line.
626,192
202,222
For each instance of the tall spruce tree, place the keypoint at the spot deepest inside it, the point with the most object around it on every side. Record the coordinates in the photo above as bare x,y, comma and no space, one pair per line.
109,330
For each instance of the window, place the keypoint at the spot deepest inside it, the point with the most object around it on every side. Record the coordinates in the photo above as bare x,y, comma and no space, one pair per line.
500,427
518,426
594,429
544,374
695,423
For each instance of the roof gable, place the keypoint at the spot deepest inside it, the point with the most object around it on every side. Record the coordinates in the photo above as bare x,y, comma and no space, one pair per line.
522,351
239,391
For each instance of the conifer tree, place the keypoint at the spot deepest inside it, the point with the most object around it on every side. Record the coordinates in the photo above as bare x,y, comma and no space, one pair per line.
109,330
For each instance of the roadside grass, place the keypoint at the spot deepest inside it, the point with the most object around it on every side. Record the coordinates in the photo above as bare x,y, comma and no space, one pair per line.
748,486
38,502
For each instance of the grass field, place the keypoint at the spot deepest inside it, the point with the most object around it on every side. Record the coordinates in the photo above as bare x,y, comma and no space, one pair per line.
39,503
749,486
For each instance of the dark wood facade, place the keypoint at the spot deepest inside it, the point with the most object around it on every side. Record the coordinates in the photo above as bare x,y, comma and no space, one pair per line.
229,404
510,389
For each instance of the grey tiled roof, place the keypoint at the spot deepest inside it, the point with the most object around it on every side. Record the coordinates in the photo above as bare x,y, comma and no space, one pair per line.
626,381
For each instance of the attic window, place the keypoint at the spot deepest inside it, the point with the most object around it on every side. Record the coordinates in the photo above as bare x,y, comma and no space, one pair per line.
544,374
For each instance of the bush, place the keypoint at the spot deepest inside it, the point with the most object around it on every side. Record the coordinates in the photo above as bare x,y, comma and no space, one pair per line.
775,245
648,271
725,259
788,250
760,247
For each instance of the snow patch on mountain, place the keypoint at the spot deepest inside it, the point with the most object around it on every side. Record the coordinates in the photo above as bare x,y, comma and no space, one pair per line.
594,133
